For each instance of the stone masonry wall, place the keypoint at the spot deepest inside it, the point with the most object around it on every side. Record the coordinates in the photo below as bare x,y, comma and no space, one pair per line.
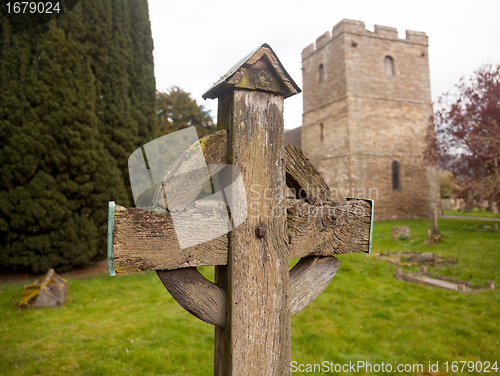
359,119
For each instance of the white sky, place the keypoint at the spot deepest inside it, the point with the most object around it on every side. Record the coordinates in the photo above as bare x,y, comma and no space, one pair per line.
196,42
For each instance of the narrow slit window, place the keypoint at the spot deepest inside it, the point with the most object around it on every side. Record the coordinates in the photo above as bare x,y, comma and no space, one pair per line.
396,185
321,73
389,66
321,132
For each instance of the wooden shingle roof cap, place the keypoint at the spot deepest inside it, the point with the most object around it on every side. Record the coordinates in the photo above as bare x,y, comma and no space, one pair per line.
259,70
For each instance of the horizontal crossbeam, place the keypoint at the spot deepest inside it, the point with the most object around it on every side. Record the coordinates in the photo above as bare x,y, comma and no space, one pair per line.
147,240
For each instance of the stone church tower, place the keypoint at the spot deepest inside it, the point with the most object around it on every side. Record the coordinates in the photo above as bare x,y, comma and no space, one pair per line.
367,103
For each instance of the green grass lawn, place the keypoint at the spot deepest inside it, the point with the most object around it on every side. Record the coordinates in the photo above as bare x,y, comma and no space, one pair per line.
474,213
130,325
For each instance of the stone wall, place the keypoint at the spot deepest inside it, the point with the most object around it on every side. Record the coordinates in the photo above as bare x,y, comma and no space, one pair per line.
359,119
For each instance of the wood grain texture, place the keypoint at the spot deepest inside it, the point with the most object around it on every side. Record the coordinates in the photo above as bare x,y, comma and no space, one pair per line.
224,117
237,76
147,240
257,338
254,294
333,228
220,332
207,301
186,177
308,278
196,294
266,73
259,282
303,178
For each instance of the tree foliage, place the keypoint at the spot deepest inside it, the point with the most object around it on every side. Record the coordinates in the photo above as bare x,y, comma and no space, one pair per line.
176,110
77,97
464,135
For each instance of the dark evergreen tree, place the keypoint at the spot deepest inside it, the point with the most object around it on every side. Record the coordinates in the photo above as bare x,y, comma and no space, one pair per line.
77,97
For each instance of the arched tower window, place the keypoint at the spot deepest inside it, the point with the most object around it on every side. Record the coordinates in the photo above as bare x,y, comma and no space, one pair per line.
322,132
396,185
389,66
321,73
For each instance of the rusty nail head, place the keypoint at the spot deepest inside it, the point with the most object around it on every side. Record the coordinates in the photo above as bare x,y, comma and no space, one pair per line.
261,231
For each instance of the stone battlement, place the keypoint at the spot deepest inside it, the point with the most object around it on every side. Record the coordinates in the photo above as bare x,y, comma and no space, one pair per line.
358,28
366,100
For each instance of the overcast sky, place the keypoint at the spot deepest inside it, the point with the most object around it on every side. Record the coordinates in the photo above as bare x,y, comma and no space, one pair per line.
196,42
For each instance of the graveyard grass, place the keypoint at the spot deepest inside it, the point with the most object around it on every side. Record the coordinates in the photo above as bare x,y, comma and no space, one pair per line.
130,325
474,213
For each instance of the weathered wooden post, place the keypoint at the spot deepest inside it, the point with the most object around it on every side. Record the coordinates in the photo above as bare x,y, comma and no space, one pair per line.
254,294
251,99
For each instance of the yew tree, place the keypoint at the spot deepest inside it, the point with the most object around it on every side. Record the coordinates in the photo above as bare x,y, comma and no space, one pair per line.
77,97
464,134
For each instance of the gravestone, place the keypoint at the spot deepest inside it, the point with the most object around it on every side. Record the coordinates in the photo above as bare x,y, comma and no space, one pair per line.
424,277
446,204
400,232
48,291
255,293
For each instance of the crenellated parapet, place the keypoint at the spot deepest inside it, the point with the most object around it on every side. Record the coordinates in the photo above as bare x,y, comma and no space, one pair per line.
366,109
418,37
358,28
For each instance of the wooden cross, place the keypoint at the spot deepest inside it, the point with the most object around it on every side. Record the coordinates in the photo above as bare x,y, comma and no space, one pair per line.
255,293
